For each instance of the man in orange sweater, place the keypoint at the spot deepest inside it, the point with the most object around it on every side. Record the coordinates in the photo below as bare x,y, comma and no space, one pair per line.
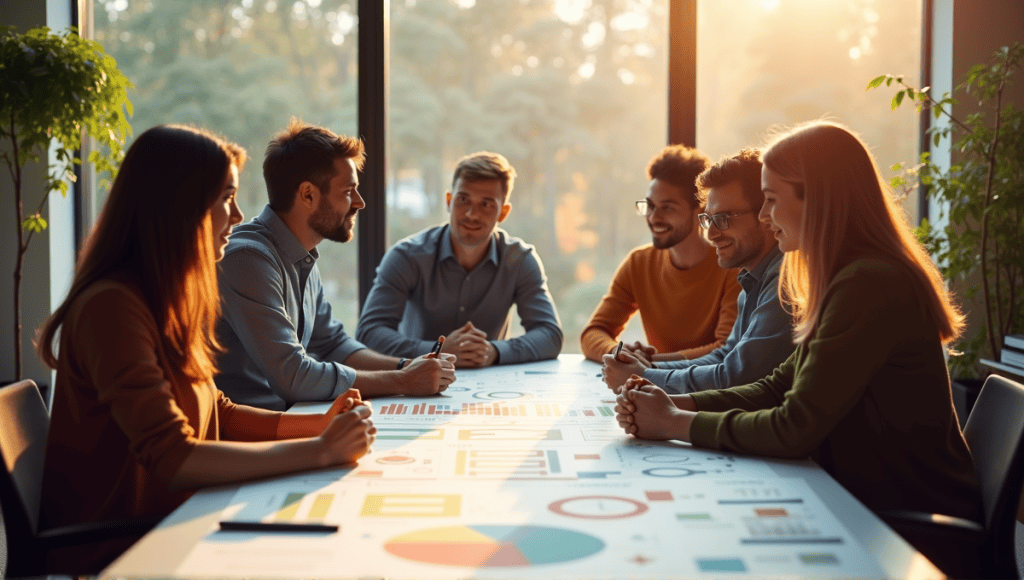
687,303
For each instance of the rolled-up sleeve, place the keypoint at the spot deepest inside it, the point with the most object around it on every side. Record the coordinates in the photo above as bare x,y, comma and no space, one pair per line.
253,293
543,337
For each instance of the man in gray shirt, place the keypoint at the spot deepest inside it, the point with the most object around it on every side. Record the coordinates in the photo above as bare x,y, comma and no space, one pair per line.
283,345
461,279
761,338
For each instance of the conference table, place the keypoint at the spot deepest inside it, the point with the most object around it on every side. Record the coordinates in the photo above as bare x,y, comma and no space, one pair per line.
520,471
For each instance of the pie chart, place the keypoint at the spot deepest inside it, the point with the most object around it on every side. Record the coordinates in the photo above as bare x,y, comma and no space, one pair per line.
493,546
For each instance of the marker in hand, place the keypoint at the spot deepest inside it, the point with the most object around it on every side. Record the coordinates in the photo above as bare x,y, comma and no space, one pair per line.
436,351
618,349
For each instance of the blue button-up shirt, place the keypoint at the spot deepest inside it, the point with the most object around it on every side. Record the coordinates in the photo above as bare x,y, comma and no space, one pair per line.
283,345
422,292
761,339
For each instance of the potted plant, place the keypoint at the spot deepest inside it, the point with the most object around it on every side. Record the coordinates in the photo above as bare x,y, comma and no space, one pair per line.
55,87
980,248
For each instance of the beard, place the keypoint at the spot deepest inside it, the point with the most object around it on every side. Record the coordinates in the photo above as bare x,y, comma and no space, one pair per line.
330,225
741,255
670,238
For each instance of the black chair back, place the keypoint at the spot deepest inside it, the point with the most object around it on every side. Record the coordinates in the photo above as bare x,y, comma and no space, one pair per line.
25,422
995,436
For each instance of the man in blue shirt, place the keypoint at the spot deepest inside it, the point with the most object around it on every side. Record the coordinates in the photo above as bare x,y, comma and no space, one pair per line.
461,280
761,338
283,344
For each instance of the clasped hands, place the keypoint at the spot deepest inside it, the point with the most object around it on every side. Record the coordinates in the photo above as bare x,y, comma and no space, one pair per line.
470,346
347,430
647,412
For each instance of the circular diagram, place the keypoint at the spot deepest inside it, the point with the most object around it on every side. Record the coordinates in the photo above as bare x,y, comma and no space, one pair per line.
501,396
598,507
395,459
493,546
665,458
671,472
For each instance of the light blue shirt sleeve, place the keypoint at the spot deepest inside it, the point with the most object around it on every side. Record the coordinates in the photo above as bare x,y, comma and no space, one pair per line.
748,355
421,292
385,305
536,309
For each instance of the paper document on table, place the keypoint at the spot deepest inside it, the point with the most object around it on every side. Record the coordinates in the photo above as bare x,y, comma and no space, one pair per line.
288,502
488,529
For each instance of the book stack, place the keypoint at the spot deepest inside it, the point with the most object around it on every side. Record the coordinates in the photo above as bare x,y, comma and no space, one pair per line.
1013,351
1011,358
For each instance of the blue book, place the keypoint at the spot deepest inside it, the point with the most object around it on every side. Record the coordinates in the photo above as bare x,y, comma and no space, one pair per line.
1014,341
1012,356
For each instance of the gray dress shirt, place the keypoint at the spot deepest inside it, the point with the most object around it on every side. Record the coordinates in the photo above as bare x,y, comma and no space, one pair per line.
761,339
283,345
422,292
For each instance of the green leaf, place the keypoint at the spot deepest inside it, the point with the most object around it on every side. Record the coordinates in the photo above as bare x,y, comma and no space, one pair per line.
34,223
875,82
896,100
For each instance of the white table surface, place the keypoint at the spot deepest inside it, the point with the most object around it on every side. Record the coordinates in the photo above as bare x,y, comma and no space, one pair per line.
550,489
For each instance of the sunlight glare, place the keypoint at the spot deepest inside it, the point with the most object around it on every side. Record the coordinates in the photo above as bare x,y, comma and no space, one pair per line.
466,4
855,52
630,21
571,11
768,5
594,36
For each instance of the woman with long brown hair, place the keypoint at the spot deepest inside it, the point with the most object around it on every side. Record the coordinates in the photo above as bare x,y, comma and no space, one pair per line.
866,392
137,423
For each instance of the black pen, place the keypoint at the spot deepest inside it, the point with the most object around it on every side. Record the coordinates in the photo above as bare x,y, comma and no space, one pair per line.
618,349
436,351
238,526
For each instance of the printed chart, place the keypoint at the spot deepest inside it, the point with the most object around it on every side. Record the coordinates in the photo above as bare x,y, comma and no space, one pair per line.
522,472
490,546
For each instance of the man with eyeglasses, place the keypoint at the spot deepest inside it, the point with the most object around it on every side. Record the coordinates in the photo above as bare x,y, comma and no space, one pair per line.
687,303
460,280
761,338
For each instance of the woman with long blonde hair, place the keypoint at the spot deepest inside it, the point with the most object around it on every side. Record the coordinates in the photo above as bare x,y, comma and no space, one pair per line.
137,423
866,392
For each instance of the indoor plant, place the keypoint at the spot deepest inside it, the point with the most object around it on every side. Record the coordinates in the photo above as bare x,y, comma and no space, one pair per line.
53,88
980,247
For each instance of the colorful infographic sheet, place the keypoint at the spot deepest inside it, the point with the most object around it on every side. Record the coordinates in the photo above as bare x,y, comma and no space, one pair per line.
522,473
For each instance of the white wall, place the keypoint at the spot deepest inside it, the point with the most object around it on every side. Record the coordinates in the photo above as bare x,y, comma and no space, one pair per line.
50,258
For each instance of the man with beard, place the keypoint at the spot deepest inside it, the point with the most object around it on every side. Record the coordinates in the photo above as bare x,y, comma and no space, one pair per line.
762,336
282,343
462,278
687,303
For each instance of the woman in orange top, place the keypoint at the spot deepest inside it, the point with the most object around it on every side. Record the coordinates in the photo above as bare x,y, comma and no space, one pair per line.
137,423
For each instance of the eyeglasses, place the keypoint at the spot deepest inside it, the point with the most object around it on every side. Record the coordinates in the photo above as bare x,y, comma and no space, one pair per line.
646,208
721,220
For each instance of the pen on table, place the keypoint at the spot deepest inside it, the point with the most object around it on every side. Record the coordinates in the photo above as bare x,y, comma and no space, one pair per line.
239,526
618,349
436,351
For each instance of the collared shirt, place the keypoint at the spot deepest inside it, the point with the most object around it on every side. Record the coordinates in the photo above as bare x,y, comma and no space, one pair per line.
761,339
422,292
283,345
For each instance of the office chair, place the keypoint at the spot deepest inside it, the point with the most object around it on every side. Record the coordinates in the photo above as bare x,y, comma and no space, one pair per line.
966,549
25,423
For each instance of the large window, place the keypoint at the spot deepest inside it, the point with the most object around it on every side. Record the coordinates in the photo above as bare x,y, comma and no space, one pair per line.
573,92
243,69
763,64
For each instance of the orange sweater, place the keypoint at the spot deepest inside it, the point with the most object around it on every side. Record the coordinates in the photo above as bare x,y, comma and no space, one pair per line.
686,311
121,425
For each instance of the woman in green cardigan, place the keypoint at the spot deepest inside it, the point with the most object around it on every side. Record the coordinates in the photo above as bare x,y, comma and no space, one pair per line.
866,392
